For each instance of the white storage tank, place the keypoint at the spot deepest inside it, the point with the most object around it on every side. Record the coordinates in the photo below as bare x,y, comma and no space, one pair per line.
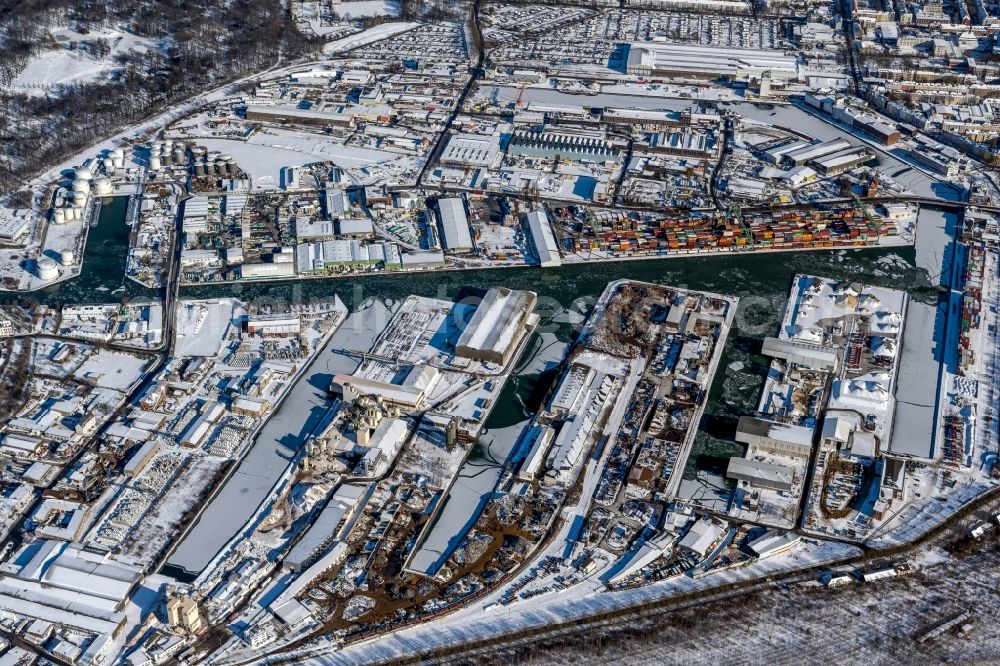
154,163
81,185
102,187
46,269
66,257
59,216
82,173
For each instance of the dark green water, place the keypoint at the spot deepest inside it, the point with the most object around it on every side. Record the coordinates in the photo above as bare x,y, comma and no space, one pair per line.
761,281
103,265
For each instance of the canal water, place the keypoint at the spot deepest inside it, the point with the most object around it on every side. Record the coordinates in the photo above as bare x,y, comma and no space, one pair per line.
565,296
102,279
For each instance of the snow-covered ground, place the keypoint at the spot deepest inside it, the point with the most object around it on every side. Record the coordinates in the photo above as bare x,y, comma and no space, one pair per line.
69,59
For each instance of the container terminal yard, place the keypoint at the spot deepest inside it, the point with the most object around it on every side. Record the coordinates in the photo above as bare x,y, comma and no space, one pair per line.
510,323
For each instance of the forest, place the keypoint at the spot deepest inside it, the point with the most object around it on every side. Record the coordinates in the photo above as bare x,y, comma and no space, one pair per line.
202,44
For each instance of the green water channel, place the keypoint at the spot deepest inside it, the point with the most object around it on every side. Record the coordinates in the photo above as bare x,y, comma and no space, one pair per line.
760,280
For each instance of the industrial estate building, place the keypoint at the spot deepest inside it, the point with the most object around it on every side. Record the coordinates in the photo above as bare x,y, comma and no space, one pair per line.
758,473
454,224
774,437
499,324
709,62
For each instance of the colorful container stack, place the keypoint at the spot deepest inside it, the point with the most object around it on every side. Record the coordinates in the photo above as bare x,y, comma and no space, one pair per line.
628,234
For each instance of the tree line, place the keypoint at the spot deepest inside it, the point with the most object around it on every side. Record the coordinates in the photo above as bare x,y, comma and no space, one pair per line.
201,44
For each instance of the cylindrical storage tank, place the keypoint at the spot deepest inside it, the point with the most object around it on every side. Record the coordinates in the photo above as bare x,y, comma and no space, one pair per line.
154,163
213,155
119,162
81,185
220,167
198,152
66,257
118,154
102,187
201,169
59,216
178,155
230,167
108,164
82,173
47,269
80,199
78,212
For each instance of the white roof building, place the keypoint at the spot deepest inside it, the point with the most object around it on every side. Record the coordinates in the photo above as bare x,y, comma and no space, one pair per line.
775,437
812,356
496,328
701,535
710,62
761,474
455,225
65,584
472,150
543,239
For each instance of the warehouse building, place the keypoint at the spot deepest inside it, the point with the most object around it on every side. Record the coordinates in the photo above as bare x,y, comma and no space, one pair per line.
15,224
327,527
472,150
497,327
683,144
710,62
774,437
66,584
141,457
541,438
568,143
407,394
543,239
806,354
274,325
454,225
761,474
814,151
776,153
839,162
877,129
935,162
